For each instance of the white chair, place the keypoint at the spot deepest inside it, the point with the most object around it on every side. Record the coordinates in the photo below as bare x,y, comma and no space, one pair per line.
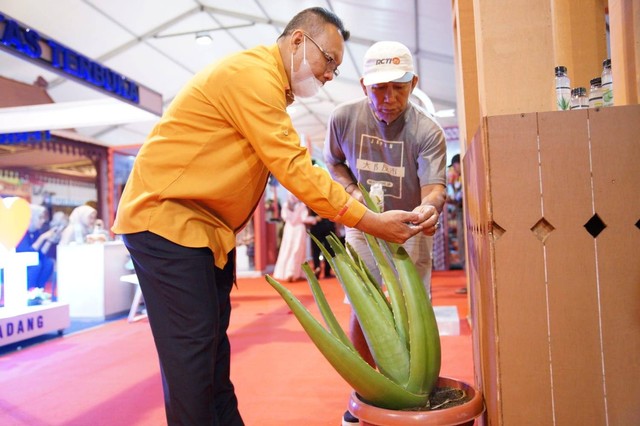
137,299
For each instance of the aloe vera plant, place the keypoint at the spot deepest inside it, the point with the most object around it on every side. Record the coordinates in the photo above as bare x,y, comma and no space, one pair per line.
400,330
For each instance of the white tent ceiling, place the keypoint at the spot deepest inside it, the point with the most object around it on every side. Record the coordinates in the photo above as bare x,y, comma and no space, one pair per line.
137,38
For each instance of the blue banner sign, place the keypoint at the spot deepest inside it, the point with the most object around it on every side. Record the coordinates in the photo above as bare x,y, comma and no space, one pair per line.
22,137
28,43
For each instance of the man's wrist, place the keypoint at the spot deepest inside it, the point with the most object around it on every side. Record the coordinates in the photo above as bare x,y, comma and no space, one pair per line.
348,187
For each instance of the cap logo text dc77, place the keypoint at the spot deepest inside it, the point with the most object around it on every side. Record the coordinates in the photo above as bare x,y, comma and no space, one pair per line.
394,61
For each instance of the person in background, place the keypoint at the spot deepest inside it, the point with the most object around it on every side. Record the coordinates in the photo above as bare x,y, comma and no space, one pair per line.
48,240
47,244
196,182
293,247
320,228
98,234
246,237
387,139
37,275
81,222
454,198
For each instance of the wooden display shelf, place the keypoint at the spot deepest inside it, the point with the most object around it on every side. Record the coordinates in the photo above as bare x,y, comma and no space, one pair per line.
553,217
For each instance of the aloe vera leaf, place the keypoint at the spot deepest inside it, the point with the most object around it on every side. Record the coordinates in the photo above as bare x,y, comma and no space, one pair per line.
358,259
340,250
376,321
424,338
396,297
365,380
370,283
325,310
367,199
337,247
386,271
372,310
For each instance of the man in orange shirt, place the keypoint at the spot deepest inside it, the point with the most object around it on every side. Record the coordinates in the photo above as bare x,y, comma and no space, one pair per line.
197,180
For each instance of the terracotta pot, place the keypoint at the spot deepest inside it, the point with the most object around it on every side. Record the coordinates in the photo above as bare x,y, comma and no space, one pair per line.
460,415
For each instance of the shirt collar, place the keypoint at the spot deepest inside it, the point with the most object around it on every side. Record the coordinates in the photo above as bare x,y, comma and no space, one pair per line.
275,51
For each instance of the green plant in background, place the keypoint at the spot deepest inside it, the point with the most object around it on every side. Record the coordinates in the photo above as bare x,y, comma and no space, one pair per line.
401,330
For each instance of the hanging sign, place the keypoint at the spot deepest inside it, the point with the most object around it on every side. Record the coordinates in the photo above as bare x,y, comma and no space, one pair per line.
24,137
31,45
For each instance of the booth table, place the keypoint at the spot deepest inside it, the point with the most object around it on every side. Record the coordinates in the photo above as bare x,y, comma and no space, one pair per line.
89,279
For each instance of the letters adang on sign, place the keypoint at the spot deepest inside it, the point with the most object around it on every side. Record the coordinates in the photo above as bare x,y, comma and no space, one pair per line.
21,326
27,42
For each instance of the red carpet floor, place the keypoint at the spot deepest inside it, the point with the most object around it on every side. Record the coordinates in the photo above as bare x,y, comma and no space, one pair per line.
109,375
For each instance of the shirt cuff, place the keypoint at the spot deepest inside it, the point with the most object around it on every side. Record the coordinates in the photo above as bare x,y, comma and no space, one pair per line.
351,213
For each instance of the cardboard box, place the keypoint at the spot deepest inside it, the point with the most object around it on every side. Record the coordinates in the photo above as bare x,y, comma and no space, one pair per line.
552,219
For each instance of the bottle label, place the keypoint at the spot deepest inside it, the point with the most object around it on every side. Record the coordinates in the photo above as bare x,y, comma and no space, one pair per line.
607,94
596,102
563,98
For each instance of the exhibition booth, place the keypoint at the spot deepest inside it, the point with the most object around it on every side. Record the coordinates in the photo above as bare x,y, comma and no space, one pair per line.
44,162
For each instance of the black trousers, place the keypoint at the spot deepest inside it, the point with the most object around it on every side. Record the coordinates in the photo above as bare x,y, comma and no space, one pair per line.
187,300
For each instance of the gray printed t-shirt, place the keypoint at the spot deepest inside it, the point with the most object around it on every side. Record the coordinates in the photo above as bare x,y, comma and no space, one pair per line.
403,156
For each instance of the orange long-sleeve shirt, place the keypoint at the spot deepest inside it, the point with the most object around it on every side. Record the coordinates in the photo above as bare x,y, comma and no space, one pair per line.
201,172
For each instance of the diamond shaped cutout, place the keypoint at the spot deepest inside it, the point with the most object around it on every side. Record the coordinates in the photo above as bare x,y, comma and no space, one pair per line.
542,229
595,225
496,231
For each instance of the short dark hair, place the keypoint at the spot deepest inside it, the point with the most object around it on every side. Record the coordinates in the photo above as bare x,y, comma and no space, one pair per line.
312,20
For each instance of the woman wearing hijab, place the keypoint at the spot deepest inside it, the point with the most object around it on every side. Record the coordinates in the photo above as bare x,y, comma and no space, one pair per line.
81,222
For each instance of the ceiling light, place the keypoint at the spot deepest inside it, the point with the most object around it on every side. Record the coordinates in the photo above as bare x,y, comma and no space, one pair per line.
203,38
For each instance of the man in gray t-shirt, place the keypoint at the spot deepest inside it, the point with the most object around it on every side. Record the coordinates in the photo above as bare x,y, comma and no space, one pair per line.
384,138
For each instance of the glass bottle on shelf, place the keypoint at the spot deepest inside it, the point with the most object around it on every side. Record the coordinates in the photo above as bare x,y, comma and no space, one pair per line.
579,99
563,88
607,83
595,93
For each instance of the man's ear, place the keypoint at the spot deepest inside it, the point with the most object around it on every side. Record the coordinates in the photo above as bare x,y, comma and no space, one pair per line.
297,37
364,88
414,82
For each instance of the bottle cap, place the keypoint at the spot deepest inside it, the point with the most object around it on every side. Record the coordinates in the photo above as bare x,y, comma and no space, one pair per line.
561,69
596,81
606,63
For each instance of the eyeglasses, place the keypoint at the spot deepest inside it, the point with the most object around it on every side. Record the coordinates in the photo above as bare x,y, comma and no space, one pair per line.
333,68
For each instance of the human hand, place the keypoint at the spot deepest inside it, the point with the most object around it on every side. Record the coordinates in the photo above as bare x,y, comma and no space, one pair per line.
431,222
395,226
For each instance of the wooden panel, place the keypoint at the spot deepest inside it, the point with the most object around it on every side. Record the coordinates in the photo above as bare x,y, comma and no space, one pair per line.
519,270
479,272
506,83
624,23
466,71
615,142
580,39
557,345
570,266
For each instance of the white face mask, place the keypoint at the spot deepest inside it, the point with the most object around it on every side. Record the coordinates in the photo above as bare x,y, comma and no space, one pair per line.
303,83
